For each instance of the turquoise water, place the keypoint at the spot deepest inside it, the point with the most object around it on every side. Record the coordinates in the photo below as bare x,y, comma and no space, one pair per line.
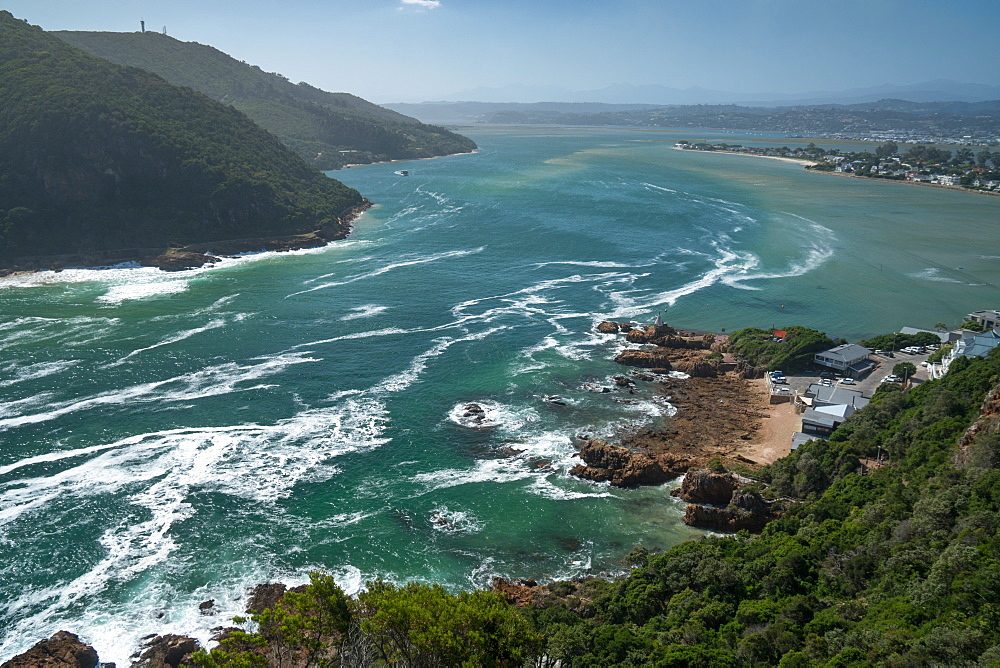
170,438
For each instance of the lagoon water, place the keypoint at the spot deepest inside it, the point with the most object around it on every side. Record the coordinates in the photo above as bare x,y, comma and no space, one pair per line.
171,438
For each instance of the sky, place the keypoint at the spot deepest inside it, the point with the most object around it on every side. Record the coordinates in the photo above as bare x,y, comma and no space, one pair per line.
418,50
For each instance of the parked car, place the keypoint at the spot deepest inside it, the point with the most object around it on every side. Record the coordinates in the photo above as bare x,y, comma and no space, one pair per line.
847,381
826,374
827,382
891,378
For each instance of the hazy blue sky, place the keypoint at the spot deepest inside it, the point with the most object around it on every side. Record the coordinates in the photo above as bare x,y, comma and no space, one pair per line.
413,50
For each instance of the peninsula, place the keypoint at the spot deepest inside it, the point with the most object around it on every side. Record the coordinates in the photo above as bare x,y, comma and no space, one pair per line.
962,169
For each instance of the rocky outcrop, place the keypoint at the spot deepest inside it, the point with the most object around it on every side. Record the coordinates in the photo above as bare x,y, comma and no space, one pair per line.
162,651
705,486
746,510
62,650
618,465
179,261
646,359
608,327
697,368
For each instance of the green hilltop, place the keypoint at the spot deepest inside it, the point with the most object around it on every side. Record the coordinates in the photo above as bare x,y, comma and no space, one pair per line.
329,130
97,156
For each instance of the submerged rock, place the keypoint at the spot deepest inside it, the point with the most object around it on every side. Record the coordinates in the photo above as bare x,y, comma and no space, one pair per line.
62,650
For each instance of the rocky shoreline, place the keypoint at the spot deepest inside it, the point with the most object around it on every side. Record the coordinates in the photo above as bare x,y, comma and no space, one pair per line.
190,256
717,409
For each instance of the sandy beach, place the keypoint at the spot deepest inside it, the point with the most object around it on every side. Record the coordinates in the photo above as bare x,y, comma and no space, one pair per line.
797,161
773,440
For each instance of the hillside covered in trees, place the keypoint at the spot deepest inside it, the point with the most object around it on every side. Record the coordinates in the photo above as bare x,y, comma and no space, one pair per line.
894,565
897,565
98,156
327,129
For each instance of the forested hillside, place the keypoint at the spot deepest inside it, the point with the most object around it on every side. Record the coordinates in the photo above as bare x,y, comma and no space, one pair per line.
99,156
327,129
897,566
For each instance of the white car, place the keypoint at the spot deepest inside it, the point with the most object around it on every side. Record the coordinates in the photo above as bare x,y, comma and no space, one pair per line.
847,381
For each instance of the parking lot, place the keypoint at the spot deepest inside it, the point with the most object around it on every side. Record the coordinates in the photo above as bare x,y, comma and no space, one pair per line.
798,383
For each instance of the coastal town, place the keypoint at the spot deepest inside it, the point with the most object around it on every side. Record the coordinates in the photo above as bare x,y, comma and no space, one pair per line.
765,412
962,169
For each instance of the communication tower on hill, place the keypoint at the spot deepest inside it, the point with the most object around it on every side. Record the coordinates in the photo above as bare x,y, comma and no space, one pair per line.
142,25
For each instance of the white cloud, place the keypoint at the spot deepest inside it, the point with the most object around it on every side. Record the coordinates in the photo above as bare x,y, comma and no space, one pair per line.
421,4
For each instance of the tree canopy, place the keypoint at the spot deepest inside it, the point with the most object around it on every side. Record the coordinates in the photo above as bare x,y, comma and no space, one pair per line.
99,156
328,130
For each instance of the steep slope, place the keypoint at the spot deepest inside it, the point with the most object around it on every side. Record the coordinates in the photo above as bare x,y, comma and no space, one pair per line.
327,129
99,156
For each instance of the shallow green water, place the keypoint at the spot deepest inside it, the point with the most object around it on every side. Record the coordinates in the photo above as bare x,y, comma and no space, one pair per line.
169,438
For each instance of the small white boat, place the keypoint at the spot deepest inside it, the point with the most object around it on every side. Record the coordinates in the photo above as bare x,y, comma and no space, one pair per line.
403,172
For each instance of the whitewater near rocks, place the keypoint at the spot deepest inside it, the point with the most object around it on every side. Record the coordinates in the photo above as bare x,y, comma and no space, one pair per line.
173,438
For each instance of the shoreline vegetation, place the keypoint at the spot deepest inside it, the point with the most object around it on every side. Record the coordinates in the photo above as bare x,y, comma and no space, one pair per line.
190,256
833,562
817,167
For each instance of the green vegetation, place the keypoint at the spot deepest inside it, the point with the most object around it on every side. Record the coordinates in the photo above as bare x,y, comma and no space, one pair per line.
328,130
904,370
758,347
972,326
414,625
897,567
97,156
899,341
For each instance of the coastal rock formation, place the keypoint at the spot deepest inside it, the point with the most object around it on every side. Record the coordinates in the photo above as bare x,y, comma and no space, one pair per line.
520,592
746,510
268,595
62,650
608,327
162,651
697,368
705,486
649,333
646,359
179,261
618,465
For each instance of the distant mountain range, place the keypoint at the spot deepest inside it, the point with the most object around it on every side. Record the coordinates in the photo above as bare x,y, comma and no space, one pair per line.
930,91
883,114
329,130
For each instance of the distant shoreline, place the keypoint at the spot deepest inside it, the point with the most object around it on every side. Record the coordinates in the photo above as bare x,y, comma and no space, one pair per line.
843,174
385,162
796,161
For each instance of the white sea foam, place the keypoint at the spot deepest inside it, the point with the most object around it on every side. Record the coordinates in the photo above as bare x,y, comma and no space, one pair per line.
402,381
136,290
365,311
819,249
494,415
179,336
448,521
16,373
391,267
932,274
211,381
260,463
